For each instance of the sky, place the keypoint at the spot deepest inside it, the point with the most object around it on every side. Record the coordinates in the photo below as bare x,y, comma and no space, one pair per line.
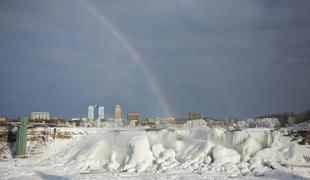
222,58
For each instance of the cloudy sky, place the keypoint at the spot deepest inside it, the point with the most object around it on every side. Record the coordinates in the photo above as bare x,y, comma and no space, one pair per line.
223,58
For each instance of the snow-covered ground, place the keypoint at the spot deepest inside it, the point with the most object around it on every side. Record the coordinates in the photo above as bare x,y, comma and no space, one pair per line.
186,153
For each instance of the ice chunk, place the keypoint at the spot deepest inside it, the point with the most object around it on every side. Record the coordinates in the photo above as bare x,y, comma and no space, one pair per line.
207,160
166,155
249,147
167,160
114,165
140,156
195,148
92,165
157,149
223,155
231,169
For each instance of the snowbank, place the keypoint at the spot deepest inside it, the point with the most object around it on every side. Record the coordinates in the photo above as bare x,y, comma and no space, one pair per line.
200,150
180,150
261,122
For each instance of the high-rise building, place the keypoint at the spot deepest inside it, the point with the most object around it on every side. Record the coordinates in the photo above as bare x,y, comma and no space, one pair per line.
133,116
91,112
40,115
101,112
117,113
194,116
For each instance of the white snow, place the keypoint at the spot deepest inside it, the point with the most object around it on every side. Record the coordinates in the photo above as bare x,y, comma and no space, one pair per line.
262,122
189,153
223,155
139,156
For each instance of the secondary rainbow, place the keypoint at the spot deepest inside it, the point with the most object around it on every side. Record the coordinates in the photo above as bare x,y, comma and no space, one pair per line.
135,54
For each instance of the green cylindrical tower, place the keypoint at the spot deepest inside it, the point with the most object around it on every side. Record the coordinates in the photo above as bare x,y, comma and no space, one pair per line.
21,141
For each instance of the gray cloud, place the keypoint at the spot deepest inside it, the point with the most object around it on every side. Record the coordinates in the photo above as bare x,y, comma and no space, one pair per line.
241,58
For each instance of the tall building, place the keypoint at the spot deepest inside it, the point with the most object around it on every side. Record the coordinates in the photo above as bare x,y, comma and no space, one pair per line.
40,115
101,112
194,116
117,113
91,112
133,116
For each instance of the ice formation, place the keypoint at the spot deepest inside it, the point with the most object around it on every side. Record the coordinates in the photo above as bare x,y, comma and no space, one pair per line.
187,149
262,122
223,155
140,155
196,151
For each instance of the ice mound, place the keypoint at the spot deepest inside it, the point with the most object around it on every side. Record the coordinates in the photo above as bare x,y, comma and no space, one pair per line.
195,148
140,156
157,149
114,165
139,150
246,142
249,147
166,160
223,155
194,153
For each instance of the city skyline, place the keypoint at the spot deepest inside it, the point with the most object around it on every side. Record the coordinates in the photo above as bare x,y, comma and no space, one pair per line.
160,58
162,89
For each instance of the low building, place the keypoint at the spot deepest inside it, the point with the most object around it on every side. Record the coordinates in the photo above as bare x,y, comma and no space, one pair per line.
75,119
194,116
150,121
2,118
165,120
40,115
133,116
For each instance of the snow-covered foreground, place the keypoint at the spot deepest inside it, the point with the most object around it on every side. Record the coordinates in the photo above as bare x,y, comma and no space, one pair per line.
189,153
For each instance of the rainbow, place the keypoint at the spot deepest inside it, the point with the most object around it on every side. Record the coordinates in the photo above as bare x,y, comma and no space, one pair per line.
134,53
